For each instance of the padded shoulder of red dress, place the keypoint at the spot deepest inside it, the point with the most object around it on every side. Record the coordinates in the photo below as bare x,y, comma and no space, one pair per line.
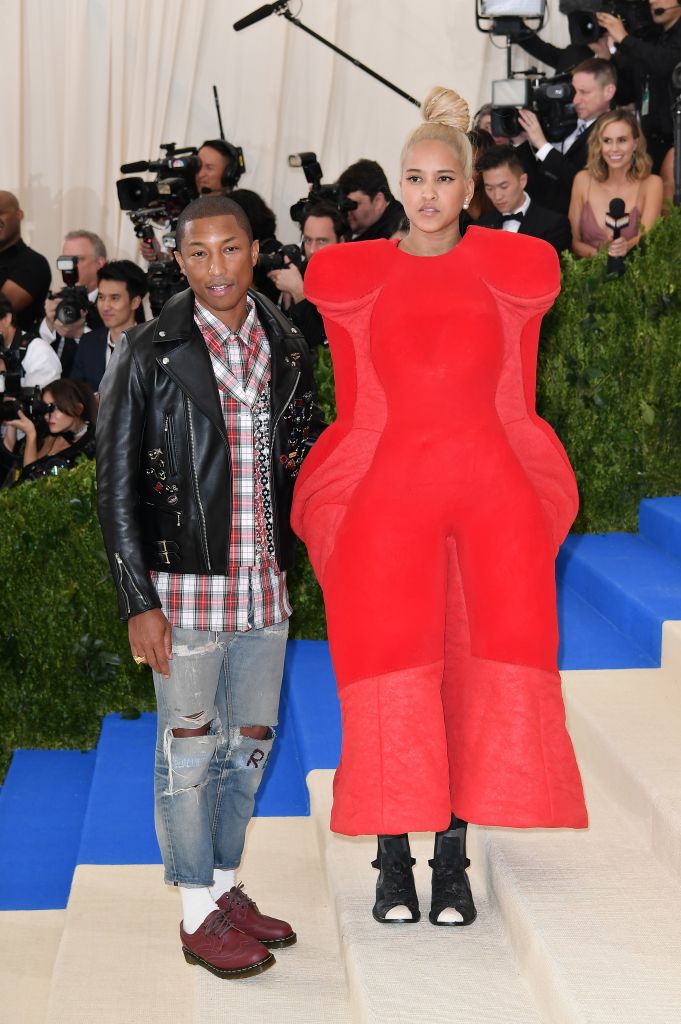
346,272
520,266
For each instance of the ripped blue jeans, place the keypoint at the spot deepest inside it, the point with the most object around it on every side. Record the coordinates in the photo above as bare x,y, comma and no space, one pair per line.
205,786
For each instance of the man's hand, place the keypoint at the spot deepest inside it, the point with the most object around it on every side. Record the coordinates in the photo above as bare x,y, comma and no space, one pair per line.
612,25
74,330
530,124
151,637
289,280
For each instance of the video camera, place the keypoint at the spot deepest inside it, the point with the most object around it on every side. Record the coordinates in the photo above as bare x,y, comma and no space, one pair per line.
74,301
584,28
271,257
549,98
332,194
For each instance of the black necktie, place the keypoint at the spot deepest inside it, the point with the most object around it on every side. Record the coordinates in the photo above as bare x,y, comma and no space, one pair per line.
512,216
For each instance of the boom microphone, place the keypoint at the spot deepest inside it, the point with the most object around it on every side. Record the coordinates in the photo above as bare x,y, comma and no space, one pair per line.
262,12
616,218
662,10
138,165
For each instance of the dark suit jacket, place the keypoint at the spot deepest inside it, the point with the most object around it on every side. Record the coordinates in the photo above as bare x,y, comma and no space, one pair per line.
549,181
90,361
539,222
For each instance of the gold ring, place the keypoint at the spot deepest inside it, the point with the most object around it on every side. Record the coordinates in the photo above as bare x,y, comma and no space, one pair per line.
139,659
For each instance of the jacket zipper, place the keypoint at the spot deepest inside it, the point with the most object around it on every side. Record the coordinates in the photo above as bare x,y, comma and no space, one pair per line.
170,443
195,484
275,520
122,568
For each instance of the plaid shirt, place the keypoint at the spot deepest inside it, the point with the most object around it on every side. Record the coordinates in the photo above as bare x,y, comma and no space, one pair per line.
253,594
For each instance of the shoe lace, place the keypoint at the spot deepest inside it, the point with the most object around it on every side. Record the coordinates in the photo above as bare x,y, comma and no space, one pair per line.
236,897
219,923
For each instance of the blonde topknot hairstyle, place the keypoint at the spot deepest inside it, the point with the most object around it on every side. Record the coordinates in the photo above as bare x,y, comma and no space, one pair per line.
446,118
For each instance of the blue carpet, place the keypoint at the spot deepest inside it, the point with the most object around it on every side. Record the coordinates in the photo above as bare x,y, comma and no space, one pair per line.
42,804
659,522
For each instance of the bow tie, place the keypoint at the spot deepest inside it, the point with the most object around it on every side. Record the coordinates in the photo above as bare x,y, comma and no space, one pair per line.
512,216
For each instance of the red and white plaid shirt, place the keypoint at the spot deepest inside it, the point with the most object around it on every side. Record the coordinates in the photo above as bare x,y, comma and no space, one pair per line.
253,594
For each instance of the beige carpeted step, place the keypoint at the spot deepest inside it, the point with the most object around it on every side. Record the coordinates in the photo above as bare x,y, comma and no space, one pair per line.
408,974
594,919
282,872
120,960
626,728
29,940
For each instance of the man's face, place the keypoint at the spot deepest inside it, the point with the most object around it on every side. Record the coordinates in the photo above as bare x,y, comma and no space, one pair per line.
116,307
317,232
217,258
591,98
10,220
88,262
669,12
209,176
505,188
368,210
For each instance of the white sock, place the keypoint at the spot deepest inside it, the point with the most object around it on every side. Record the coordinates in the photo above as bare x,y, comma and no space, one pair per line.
196,906
225,879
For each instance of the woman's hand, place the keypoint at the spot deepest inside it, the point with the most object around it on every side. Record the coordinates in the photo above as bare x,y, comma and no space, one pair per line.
22,422
618,247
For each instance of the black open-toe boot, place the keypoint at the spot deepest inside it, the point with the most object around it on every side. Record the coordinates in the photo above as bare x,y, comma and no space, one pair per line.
395,886
451,888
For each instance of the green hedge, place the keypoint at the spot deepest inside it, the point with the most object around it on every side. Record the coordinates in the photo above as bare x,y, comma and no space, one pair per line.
609,380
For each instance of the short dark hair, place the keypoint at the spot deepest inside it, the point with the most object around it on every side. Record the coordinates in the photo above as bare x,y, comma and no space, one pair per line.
133,277
604,71
262,220
322,209
211,206
219,146
5,308
365,176
498,156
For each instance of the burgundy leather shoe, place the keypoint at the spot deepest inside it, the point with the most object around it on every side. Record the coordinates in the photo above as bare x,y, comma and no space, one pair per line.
244,915
223,950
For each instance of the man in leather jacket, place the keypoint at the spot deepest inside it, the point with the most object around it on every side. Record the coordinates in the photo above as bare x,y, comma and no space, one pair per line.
206,414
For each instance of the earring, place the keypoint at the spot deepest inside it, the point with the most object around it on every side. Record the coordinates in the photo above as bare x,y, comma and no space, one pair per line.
466,203
634,161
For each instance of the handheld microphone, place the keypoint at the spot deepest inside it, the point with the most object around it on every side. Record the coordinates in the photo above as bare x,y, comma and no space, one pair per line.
138,165
616,218
259,14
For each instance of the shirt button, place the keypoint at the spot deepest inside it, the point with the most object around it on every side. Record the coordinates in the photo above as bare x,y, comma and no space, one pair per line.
165,359
161,334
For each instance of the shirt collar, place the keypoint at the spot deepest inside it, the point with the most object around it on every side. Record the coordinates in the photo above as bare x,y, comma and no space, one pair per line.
524,208
222,331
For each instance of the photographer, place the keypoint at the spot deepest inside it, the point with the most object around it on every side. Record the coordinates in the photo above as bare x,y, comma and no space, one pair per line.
70,415
36,363
122,286
24,273
323,225
90,251
552,166
378,214
651,60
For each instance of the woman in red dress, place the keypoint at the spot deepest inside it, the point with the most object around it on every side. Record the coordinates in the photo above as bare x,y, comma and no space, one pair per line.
432,509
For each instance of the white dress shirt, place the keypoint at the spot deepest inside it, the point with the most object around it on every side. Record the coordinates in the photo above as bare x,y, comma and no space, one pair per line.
565,145
514,225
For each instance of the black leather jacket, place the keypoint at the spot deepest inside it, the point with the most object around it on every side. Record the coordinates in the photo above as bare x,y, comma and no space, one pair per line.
164,475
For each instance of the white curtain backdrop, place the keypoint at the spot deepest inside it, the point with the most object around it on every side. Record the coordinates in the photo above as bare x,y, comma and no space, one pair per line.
87,85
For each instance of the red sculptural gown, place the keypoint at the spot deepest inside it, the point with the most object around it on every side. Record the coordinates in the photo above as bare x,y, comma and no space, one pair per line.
432,510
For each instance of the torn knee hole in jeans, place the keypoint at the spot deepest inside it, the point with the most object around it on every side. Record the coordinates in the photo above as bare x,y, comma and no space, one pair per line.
189,754
249,752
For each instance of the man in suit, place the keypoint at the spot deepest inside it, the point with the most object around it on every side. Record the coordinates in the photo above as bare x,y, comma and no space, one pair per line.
552,167
505,179
122,286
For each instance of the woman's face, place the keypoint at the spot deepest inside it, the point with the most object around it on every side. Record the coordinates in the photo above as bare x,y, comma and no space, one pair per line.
617,145
433,186
57,421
